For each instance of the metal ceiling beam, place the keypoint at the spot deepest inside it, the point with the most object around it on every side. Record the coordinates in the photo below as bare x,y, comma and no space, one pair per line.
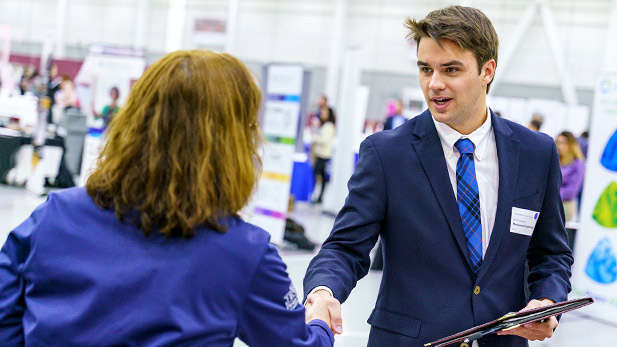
550,27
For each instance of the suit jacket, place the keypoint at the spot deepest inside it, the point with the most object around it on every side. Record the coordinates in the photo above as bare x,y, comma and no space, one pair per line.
389,124
73,275
401,190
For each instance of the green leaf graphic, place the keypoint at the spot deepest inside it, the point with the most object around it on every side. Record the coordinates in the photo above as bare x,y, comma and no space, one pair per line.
605,212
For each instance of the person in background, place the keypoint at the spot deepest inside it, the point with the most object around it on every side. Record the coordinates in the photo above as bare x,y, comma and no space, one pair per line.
397,117
23,84
53,86
28,82
66,96
323,140
152,252
536,122
583,142
572,163
109,110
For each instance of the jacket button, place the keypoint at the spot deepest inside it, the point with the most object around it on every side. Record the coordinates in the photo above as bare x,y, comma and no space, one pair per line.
464,344
477,290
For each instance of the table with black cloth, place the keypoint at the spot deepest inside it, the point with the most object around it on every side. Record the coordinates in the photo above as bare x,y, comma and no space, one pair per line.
10,144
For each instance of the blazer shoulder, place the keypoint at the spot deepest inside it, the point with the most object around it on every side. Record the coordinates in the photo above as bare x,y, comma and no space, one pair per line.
244,232
529,139
390,137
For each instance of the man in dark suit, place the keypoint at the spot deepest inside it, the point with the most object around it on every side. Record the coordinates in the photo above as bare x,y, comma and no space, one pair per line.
397,119
462,200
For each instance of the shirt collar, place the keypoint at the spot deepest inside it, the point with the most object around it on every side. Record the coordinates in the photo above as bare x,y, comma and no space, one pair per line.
449,136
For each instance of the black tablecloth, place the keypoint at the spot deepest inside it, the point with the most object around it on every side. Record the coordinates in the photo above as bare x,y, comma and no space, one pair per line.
9,145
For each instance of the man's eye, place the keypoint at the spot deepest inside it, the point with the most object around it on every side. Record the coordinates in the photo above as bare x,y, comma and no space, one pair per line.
425,69
451,69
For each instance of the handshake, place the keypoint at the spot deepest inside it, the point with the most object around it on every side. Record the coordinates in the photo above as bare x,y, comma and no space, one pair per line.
321,305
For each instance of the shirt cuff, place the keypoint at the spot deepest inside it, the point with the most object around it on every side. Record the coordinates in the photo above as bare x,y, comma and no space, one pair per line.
319,288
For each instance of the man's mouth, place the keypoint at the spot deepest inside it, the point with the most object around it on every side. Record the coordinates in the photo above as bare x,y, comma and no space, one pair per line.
440,100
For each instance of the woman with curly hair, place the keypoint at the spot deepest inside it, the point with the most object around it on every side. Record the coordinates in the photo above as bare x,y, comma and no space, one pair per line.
152,251
572,163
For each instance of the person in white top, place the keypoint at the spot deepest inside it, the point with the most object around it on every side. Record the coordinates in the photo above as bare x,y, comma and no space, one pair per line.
463,200
323,141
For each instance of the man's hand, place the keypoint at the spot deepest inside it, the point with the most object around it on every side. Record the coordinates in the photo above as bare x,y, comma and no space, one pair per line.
317,308
322,304
536,330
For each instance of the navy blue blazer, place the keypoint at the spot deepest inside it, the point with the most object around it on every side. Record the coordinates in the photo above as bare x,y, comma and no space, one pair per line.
73,275
401,190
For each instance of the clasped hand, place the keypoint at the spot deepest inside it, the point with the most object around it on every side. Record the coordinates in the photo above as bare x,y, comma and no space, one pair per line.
321,305
536,330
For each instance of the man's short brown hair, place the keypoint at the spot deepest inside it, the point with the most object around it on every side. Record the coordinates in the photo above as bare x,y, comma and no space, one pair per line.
466,26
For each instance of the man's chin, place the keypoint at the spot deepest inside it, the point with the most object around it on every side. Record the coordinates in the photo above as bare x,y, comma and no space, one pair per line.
441,117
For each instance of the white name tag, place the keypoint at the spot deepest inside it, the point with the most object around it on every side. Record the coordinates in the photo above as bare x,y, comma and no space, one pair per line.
523,221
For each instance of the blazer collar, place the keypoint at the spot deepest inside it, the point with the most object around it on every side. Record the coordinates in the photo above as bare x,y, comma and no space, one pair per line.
508,154
428,147
429,150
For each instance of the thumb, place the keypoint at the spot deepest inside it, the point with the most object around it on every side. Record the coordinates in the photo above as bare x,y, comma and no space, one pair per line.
336,319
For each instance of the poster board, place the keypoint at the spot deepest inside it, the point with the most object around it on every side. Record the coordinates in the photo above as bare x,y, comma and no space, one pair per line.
269,206
595,269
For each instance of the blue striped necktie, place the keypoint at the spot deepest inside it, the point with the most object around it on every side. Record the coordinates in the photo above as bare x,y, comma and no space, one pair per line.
468,199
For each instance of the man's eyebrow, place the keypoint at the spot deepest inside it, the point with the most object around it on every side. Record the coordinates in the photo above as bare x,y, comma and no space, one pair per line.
453,63
450,63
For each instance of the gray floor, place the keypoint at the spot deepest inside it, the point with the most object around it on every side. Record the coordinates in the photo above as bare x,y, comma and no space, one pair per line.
576,329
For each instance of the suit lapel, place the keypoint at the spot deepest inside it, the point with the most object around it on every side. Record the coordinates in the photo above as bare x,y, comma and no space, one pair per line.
508,158
428,147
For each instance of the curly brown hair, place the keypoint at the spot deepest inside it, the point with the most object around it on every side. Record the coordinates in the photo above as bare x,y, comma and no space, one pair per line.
182,152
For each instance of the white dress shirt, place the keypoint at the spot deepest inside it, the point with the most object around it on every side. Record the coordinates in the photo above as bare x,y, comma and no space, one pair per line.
487,169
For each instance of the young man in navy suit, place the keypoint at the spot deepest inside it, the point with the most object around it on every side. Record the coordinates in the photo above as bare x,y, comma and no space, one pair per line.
462,200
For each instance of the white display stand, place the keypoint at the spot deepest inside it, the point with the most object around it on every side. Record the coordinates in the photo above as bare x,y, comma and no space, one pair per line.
104,68
595,250
352,102
93,143
269,206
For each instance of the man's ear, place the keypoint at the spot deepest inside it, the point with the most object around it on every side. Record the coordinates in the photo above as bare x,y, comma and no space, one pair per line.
488,71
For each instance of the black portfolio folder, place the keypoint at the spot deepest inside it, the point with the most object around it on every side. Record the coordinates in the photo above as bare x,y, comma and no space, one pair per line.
512,320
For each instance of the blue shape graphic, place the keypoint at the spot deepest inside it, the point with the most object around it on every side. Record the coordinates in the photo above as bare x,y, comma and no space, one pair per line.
609,157
602,264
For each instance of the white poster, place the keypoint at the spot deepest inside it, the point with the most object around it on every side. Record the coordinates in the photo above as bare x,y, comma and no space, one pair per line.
413,102
209,30
595,266
553,112
105,68
578,119
268,208
282,118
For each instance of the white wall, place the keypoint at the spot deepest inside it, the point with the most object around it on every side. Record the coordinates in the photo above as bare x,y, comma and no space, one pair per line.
300,31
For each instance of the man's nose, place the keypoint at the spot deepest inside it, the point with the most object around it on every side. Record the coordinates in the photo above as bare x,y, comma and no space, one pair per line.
436,82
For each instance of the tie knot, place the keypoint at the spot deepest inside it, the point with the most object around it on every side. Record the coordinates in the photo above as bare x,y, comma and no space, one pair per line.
464,146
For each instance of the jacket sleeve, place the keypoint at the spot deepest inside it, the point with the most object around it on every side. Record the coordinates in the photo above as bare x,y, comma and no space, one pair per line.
549,256
13,257
344,257
273,315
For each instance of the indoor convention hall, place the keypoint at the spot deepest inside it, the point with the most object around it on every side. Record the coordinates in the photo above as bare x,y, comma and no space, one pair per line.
308,173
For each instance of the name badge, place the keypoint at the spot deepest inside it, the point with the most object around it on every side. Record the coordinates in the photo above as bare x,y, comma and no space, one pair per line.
523,221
